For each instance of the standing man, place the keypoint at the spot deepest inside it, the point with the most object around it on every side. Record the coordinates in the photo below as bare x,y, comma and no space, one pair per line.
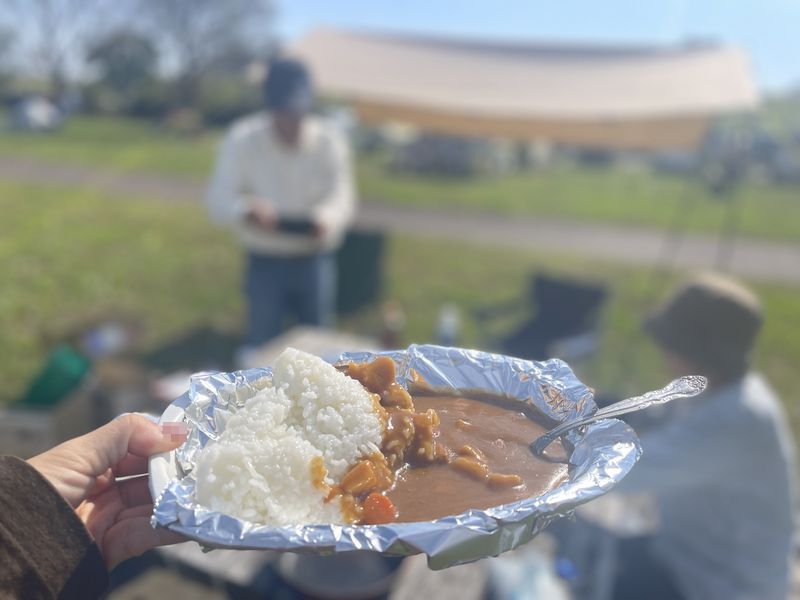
283,182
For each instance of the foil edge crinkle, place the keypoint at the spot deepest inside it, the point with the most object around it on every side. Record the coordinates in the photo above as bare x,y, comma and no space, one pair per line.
602,455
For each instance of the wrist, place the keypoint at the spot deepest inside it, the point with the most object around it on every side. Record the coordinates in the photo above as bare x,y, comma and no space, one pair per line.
39,464
50,466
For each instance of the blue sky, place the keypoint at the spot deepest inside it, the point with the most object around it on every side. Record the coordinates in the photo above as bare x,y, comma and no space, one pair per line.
768,29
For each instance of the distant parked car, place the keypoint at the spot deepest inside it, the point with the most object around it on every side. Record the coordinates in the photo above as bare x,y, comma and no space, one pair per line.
676,162
35,113
452,155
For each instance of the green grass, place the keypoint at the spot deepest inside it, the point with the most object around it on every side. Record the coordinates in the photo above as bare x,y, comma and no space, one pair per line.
589,195
627,361
116,144
67,256
594,195
780,115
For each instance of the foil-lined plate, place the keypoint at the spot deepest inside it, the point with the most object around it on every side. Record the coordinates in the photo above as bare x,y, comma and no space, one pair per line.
601,454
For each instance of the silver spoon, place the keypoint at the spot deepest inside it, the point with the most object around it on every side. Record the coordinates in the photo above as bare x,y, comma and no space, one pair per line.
684,387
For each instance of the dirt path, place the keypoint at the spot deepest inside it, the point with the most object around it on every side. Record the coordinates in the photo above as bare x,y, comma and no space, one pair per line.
751,258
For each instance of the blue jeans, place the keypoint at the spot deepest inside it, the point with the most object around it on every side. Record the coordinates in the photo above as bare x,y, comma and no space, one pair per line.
298,287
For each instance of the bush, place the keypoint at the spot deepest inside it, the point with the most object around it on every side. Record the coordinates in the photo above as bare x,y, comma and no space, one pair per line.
224,99
153,100
184,121
149,99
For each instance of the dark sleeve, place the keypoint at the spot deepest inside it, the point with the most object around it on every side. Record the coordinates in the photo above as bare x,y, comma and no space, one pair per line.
45,551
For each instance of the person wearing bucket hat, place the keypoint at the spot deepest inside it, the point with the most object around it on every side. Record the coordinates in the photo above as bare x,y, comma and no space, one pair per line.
711,323
720,466
283,181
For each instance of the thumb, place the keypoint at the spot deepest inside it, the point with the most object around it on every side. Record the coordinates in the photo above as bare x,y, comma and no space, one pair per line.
75,466
130,434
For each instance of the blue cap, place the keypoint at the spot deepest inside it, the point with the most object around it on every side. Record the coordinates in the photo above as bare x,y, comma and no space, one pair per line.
288,86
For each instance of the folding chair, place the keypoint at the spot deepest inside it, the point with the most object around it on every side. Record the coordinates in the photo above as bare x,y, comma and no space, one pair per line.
564,322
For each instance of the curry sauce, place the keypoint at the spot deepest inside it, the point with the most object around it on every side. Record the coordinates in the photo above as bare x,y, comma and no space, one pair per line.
441,455
500,436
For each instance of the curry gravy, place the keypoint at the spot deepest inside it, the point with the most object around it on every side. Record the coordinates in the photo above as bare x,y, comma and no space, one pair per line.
441,455
499,436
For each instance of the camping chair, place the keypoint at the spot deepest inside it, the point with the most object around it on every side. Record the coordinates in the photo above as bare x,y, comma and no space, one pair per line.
564,323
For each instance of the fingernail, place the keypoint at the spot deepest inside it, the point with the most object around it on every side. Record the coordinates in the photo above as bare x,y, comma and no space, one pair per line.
175,431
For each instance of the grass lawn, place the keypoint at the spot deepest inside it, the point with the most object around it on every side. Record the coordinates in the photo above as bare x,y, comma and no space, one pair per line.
584,194
117,144
68,256
594,195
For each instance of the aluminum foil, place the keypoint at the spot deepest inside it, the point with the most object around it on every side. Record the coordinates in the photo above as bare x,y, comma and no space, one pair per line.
601,455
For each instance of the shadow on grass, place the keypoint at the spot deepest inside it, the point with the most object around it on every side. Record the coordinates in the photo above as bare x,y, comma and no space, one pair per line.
201,348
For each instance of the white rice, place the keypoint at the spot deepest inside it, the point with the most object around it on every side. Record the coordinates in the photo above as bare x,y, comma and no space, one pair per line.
260,468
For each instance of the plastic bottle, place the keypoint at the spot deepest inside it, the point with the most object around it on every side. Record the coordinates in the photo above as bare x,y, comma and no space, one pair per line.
449,325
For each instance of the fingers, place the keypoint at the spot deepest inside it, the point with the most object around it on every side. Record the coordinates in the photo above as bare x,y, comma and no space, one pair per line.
131,465
132,434
100,512
139,436
136,465
102,482
132,536
132,491
135,492
132,512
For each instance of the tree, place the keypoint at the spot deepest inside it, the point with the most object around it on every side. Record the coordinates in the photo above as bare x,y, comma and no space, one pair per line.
7,39
196,33
125,59
53,28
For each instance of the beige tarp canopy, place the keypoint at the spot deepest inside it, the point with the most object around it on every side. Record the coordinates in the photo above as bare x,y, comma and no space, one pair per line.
627,97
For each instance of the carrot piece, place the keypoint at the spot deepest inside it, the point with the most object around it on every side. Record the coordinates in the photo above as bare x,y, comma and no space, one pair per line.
378,509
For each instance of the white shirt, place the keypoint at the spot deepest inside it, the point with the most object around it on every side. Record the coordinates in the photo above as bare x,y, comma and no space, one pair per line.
311,181
722,472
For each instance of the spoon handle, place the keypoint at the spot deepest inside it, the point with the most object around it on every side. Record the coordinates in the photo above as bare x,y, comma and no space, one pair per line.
684,387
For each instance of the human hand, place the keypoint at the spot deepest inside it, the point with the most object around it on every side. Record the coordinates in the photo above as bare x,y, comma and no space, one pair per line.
262,217
116,513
